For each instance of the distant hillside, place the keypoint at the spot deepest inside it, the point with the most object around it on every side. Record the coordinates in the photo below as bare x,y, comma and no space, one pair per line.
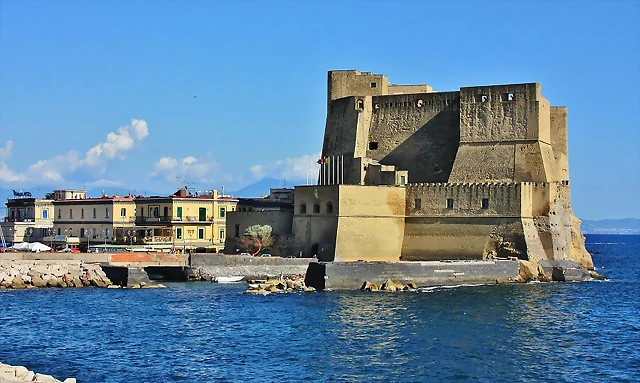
259,189
612,226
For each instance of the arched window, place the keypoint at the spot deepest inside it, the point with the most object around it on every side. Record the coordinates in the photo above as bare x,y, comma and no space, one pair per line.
329,208
360,104
303,209
316,208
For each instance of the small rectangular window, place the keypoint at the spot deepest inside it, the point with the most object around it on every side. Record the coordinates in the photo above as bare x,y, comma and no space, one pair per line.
200,233
449,203
485,203
373,145
81,213
123,212
221,235
403,180
106,213
374,85
94,212
418,203
59,214
70,213
45,214
482,98
179,233
508,97
223,212
237,228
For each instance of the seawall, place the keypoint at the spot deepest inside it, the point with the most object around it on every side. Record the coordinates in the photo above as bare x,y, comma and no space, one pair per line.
206,266
11,374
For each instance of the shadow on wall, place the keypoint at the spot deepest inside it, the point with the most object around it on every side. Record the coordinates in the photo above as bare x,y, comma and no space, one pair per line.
429,153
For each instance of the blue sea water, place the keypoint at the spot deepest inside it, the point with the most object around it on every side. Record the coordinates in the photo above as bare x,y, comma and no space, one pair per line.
203,332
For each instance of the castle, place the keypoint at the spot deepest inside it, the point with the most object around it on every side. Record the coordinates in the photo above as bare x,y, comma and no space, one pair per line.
411,174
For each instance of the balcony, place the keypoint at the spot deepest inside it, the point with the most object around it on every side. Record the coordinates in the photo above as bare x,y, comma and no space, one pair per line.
143,220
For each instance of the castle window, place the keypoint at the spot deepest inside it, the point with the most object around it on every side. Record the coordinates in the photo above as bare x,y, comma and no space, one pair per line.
329,208
303,209
485,203
376,106
403,180
373,145
482,98
417,204
449,203
508,97
419,103
81,213
316,208
94,212
374,85
360,104
70,213
237,228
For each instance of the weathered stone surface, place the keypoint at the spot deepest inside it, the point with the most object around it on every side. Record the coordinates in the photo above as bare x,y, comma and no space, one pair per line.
42,378
389,285
69,380
20,371
528,271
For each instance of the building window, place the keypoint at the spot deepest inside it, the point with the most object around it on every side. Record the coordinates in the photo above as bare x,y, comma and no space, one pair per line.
223,212
154,211
94,212
202,214
316,208
180,212
81,213
237,227
418,203
106,213
374,85
200,233
221,235
82,232
360,104
166,211
508,97
179,233
482,98
59,231
403,180
329,208
449,203
485,203
70,213
373,145
45,214
123,212
303,209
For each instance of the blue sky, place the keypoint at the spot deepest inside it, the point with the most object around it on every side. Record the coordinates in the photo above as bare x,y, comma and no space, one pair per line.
74,72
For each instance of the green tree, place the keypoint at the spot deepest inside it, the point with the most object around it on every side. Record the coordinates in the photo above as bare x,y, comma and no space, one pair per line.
254,235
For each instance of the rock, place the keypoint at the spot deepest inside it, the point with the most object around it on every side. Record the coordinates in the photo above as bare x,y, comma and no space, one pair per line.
255,291
309,289
76,282
29,376
291,284
69,380
37,281
114,287
389,285
366,286
42,378
413,286
3,276
26,278
20,371
273,289
596,275
542,276
528,271
17,283
399,286
264,286
503,280
53,282
142,284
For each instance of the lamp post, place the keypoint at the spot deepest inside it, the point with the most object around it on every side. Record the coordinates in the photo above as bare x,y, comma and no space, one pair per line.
50,238
88,234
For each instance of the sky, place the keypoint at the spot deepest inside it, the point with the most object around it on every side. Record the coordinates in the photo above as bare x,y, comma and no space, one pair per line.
152,95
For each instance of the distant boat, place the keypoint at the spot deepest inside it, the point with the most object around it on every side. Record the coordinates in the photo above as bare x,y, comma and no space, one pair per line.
227,279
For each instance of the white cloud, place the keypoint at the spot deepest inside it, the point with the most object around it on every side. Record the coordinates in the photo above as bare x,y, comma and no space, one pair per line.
53,170
188,169
289,168
5,153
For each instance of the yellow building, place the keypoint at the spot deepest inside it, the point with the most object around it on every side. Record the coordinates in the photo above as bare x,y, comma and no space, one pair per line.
95,220
184,220
28,220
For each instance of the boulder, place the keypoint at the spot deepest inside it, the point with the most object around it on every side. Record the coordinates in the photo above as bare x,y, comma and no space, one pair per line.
366,286
596,275
413,286
273,289
528,271
503,280
42,378
255,291
53,282
542,276
69,380
29,376
309,289
17,283
20,371
76,282
399,286
389,285
37,281
114,287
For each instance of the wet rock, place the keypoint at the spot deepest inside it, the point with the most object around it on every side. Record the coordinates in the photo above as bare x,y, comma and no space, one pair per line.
309,289
42,378
17,283
596,275
389,285
503,280
366,286
413,286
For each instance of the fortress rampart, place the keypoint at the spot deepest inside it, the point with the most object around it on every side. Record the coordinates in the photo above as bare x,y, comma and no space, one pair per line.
418,175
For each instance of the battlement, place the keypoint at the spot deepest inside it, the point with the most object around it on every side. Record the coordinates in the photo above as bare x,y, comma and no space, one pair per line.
345,83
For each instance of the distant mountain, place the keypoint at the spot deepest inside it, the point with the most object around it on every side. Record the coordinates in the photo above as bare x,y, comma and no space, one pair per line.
259,189
612,226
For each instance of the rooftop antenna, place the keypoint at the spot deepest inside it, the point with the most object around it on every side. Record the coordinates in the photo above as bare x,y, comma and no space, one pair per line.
222,191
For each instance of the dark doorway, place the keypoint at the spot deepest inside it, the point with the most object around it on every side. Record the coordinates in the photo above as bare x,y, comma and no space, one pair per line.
314,249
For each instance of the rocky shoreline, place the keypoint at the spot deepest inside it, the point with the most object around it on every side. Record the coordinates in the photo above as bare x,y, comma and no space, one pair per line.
35,274
206,273
284,284
11,374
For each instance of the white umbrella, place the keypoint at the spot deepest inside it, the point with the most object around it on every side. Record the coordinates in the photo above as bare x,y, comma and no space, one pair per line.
37,246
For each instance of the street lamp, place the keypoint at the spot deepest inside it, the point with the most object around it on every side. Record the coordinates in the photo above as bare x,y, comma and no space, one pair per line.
88,234
50,238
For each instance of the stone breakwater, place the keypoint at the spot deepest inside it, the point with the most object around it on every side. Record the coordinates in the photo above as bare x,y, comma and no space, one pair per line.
206,273
11,374
286,284
32,274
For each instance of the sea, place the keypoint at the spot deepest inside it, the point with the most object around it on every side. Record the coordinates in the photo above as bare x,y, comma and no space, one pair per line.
204,332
